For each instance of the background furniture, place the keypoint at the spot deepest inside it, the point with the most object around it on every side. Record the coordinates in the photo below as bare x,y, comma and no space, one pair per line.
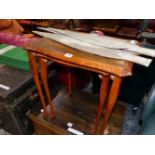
15,57
129,28
16,102
148,114
134,88
147,33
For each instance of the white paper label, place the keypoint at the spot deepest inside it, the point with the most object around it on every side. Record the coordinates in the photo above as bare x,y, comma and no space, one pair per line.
4,87
69,124
68,55
76,132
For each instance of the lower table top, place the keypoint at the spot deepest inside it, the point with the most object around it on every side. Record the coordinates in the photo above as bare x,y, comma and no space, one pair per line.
79,109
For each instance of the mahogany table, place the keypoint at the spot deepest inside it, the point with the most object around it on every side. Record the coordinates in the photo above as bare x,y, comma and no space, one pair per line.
45,50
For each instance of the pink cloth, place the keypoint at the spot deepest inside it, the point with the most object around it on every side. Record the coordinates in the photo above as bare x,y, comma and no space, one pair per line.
15,39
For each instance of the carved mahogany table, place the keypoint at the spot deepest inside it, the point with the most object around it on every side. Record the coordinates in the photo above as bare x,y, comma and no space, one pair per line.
45,50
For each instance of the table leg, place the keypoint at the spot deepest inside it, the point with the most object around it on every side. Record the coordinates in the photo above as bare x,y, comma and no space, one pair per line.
69,82
112,97
43,73
34,71
102,97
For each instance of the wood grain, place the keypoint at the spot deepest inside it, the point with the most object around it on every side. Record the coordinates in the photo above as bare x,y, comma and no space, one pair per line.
34,71
56,52
111,100
44,77
102,99
79,109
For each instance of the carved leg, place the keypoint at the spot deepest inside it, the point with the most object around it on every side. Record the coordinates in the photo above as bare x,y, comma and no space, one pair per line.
102,97
69,82
43,73
112,97
34,71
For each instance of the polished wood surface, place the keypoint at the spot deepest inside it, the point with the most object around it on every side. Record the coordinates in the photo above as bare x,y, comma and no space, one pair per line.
45,49
111,100
79,109
56,51
43,73
102,98
34,71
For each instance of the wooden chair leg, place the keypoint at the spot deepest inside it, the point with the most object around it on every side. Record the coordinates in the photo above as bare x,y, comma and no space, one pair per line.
69,82
44,77
102,98
112,97
34,71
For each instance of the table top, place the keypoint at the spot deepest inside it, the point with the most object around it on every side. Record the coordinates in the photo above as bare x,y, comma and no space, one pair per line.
55,51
